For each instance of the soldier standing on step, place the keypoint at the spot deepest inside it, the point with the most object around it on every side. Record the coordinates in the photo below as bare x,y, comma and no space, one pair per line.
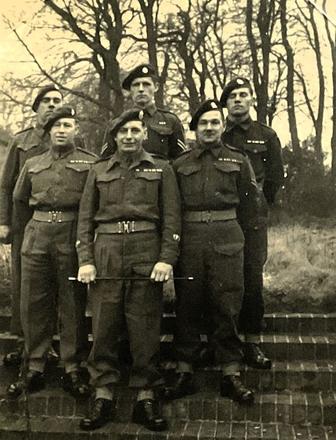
48,190
261,144
219,197
165,133
24,145
131,205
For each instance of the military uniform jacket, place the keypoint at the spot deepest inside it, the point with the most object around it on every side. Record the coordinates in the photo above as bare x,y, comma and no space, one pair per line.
53,182
263,148
24,145
218,178
147,190
165,134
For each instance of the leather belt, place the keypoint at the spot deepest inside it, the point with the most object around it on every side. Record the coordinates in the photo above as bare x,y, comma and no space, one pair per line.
55,216
209,216
126,227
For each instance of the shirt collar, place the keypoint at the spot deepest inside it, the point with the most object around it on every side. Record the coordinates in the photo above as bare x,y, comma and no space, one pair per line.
150,109
143,157
244,124
61,154
215,150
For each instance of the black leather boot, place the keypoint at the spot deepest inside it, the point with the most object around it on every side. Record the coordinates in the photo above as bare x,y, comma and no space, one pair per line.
147,412
75,384
182,386
255,358
14,358
100,415
232,387
33,382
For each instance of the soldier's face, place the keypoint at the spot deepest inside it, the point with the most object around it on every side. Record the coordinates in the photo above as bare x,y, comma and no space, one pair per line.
210,127
63,132
50,102
239,102
130,137
142,90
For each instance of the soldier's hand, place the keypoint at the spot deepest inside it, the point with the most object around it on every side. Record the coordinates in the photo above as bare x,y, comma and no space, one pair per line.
161,272
4,233
87,273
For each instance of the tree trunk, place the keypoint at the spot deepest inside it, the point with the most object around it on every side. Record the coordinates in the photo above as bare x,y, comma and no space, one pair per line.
290,81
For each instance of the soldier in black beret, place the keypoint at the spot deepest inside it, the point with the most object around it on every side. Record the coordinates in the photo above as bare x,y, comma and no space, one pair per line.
263,148
48,191
41,96
129,230
219,197
165,134
27,143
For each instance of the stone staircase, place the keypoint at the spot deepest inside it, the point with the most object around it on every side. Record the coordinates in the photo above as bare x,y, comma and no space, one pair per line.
294,400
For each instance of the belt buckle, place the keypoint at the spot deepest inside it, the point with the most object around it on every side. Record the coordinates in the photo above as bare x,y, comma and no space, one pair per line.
206,216
53,216
128,226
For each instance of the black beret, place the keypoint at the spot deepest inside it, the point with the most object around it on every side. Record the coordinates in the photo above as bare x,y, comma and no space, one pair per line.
236,83
206,106
126,116
42,92
62,112
138,72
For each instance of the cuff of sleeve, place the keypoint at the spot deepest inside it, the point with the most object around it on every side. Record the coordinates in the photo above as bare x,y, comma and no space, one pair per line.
85,256
169,258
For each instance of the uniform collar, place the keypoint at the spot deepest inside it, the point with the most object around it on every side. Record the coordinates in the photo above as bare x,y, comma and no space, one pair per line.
150,109
245,125
35,136
61,154
143,157
215,150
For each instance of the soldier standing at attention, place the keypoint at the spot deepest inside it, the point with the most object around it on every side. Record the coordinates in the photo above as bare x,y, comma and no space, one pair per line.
263,148
24,145
219,197
49,188
165,133
131,205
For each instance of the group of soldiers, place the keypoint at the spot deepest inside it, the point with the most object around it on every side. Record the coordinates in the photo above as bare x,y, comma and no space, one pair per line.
148,210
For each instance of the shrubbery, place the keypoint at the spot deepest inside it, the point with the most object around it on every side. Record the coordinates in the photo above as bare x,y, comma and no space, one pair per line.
308,189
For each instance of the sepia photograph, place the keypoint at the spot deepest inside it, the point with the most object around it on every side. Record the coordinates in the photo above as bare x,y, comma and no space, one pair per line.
168,219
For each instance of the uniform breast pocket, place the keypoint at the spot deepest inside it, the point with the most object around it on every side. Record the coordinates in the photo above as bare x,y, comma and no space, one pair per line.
189,178
158,138
76,175
257,154
228,173
42,179
110,187
147,186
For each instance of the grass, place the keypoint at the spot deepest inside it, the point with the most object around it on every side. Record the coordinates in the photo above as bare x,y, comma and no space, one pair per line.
300,273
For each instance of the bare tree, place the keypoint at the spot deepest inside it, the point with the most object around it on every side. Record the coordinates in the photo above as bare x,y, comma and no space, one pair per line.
311,34
332,44
290,79
260,32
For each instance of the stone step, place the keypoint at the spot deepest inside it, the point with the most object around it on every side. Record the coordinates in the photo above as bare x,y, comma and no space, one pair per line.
294,376
283,407
298,323
279,347
49,428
